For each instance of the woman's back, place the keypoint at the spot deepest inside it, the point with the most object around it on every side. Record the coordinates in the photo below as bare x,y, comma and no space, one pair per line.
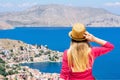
67,72
78,56
78,60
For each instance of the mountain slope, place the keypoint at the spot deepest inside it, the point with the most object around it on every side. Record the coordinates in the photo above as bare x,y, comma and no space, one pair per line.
61,15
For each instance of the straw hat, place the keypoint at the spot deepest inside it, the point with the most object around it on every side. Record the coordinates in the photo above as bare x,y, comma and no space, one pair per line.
77,32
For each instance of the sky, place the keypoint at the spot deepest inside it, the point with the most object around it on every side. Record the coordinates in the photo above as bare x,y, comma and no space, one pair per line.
112,6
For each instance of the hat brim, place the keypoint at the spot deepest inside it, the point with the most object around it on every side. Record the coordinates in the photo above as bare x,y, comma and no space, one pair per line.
70,35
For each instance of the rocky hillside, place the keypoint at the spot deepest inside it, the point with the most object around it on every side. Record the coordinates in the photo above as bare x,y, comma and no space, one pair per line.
4,25
60,15
15,51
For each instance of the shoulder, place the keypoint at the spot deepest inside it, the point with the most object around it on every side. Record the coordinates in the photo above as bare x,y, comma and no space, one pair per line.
64,57
65,52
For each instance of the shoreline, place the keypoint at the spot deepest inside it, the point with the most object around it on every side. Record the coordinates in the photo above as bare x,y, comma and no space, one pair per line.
41,62
57,27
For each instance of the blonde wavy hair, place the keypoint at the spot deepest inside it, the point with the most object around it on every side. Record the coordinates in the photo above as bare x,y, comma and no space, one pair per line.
78,56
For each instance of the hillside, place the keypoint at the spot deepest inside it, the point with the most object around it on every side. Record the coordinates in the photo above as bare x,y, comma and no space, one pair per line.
14,52
60,15
4,25
20,52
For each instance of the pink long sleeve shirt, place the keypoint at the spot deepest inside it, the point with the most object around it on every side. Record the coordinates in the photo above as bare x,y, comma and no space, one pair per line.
66,72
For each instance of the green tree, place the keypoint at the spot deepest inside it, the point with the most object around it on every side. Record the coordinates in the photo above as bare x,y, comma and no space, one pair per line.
1,61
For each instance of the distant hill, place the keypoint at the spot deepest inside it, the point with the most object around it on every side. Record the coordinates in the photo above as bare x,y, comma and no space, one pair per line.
4,25
60,15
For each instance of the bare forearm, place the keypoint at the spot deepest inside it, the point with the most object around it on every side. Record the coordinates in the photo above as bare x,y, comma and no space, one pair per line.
92,38
99,41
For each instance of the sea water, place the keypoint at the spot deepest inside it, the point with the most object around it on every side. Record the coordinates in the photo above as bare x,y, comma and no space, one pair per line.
56,38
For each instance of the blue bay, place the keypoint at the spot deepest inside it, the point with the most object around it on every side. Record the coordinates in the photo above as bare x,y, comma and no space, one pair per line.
105,67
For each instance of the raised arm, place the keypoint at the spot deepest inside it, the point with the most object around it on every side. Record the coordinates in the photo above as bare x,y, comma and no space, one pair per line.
92,38
105,45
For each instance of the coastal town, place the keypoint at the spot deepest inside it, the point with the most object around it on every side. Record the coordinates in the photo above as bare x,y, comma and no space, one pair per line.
15,52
